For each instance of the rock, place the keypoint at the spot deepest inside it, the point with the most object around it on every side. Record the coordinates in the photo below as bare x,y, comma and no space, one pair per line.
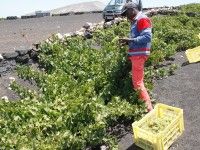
12,63
67,35
87,25
79,33
12,79
108,24
10,55
22,52
114,22
59,36
48,41
81,30
23,59
36,45
33,55
7,66
100,25
94,24
149,13
153,11
2,70
167,11
88,34
117,20
73,34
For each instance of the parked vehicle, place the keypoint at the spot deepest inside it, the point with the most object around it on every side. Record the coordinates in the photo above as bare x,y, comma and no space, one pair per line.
113,9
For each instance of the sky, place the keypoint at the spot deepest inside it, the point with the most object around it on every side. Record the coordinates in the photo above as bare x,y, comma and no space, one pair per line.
22,7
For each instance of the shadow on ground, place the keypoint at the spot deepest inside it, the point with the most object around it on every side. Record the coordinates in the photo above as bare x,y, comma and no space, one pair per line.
133,147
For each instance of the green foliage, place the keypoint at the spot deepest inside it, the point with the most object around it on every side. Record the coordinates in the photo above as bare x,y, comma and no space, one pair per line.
171,34
78,96
191,8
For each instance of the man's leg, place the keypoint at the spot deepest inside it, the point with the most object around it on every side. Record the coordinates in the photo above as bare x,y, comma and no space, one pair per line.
138,77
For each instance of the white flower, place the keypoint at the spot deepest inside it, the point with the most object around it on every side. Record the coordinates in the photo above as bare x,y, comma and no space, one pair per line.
12,79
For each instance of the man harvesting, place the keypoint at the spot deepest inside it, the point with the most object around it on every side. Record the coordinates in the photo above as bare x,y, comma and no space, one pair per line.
139,47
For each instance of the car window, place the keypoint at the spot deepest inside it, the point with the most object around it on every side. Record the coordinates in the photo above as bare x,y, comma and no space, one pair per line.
116,2
112,2
119,1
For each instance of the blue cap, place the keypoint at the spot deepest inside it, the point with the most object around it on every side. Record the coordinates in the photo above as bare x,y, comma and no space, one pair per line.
131,4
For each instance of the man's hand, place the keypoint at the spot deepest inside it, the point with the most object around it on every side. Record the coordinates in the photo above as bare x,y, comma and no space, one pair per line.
124,41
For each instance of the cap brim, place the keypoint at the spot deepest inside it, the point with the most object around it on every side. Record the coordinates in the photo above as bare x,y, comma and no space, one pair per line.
124,12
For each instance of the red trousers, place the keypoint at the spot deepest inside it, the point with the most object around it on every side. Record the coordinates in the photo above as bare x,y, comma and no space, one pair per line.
138,76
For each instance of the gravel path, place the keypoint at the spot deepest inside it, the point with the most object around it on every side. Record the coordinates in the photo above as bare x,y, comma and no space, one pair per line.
22,33
180,90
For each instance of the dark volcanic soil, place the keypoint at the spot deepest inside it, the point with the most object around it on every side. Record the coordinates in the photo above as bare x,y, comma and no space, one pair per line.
22,33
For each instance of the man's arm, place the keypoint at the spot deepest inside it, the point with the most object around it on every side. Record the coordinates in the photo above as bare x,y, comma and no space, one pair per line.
145,28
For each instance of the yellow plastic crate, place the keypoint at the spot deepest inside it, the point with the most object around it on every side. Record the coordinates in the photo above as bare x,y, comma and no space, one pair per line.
193,55
164,139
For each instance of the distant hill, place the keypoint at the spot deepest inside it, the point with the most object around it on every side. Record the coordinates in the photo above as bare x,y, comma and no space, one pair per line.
80,7
74,8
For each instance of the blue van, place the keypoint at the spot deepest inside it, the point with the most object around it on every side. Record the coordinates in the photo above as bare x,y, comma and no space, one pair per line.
113,9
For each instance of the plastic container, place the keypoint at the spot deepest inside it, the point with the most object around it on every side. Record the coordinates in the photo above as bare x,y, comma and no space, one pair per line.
193,55
163,139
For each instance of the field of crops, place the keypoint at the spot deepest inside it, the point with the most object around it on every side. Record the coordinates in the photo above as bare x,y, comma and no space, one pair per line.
85,86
